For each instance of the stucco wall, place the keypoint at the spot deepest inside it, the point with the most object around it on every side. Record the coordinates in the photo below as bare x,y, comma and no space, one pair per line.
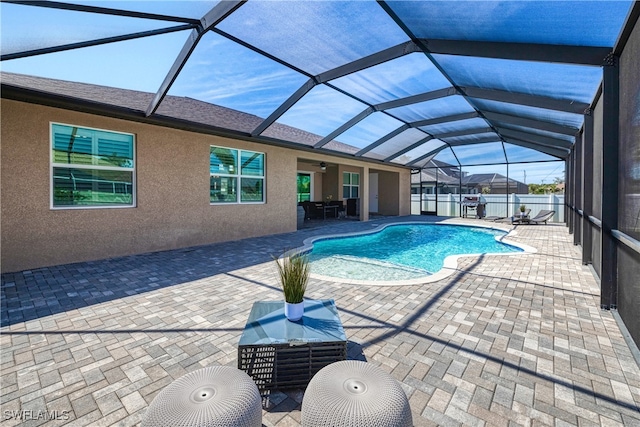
172,178
388,188
173,210
404,193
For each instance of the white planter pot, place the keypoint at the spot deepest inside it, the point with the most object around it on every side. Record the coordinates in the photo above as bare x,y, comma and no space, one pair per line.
295,311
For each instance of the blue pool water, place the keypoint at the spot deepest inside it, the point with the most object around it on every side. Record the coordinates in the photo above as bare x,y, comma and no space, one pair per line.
401,252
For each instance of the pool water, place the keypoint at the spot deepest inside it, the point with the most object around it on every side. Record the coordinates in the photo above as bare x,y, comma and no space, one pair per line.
401,252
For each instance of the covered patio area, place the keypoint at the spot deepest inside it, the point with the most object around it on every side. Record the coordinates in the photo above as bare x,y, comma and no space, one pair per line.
515,340
151,152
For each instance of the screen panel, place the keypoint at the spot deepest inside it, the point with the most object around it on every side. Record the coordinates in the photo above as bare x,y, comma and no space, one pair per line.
516,153
26,27
399,78
441,107
480,154
552,22
369,130
447,156
321,111
418,152
559,81
458,125
188,9
551,116
138,64
222,72
315,36
397,143
535,131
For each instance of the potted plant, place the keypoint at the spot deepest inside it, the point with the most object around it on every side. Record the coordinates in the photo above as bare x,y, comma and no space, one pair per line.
522,209
294,276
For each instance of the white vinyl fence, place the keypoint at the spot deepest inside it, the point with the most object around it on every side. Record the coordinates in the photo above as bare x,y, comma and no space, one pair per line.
500,205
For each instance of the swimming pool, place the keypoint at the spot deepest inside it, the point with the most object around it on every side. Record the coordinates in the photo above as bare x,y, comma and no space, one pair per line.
403,252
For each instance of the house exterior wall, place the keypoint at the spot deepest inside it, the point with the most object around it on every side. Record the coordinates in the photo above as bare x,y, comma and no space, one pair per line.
172,193
330,184
389,200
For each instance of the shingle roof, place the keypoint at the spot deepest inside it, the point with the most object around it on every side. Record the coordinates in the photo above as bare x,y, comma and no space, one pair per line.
487,178
182,108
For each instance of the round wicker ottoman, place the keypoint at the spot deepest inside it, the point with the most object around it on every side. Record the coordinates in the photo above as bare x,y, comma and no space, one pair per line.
213,396
355,394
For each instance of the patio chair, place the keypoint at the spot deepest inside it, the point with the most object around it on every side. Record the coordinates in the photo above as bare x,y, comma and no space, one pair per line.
542,216
521,219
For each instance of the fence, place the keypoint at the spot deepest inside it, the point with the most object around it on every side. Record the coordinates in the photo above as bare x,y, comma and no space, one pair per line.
499,205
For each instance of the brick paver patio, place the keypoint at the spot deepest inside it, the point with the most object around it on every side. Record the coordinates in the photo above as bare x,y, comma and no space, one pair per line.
504,341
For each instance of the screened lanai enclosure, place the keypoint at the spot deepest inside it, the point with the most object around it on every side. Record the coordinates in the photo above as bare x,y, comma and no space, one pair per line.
473,83
421,85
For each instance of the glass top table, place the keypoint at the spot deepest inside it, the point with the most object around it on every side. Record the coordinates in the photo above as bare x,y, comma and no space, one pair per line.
267,324
279,354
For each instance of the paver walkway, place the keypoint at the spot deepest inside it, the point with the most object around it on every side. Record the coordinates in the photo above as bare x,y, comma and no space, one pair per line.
505,341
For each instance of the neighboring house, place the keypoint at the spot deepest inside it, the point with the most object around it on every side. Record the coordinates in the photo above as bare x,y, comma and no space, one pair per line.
436,174
446,178
492,183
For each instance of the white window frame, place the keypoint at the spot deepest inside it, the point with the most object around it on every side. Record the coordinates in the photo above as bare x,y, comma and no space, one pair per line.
239,177
53,165
351,174
312,174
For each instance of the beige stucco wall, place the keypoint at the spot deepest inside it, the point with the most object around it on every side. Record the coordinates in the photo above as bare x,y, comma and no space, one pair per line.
173,210
172,178
388,190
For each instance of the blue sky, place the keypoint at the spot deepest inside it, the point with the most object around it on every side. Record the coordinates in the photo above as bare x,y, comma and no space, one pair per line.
327,35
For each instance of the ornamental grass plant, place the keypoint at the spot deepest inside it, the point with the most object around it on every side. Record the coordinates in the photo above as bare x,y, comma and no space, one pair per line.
294,276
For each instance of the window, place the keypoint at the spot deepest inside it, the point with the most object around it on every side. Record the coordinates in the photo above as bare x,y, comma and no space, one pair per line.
350,185
304,187
236,176
91,168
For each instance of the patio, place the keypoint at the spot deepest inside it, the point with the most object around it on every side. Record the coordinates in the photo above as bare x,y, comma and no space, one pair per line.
504,341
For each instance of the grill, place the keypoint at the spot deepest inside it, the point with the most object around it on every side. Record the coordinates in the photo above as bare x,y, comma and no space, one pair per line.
473,203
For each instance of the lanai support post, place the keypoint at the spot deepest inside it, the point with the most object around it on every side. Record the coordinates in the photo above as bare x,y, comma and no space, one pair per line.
507,192
610,148
587,187
572,188
577,220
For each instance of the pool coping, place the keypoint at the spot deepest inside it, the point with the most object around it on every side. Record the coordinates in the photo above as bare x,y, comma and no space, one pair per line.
450,263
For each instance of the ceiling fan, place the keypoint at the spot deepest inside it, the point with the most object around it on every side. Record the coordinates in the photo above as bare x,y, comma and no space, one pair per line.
321,165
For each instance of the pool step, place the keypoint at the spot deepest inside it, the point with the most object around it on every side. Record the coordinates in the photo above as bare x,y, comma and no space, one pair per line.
351,266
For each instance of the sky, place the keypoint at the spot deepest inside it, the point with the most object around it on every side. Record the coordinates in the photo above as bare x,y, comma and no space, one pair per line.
327,35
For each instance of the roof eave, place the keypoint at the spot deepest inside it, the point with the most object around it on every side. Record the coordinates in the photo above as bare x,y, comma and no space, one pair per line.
33,96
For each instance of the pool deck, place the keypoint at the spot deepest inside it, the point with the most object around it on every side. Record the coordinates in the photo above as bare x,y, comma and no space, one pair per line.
504,341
